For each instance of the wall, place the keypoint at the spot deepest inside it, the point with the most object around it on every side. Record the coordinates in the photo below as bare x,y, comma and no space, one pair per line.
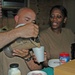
9,22
42,7
70,5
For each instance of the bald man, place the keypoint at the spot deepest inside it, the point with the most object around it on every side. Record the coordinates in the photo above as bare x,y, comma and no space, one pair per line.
25,16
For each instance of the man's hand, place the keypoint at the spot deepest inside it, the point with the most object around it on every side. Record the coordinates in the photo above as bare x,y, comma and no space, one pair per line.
29,30
21,53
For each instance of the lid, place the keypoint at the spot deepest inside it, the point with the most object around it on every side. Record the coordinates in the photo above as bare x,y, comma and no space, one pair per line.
14,65
64,54
54,62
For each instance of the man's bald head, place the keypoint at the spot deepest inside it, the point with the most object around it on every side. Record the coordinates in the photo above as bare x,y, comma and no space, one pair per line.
25,10
25,15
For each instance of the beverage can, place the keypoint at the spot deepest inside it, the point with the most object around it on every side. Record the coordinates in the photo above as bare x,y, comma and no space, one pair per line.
64,57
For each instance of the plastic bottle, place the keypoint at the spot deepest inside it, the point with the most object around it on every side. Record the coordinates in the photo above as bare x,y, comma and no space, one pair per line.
14,70
64,57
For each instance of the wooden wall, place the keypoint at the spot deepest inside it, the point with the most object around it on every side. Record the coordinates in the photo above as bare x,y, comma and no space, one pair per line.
42,8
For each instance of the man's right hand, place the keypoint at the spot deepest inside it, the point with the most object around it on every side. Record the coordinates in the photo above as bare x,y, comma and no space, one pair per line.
29,30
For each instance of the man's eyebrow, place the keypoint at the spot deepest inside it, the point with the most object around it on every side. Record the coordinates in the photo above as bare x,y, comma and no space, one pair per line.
33,21
27,17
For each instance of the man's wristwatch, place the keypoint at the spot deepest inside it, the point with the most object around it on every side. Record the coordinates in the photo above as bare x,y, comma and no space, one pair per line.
27,57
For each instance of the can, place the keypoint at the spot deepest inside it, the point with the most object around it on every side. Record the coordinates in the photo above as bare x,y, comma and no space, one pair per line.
64,57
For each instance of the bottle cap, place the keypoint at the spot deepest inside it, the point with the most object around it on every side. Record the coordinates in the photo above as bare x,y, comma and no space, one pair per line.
13,65
64,54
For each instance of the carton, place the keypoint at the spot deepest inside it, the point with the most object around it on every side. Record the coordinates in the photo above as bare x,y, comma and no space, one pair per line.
65,69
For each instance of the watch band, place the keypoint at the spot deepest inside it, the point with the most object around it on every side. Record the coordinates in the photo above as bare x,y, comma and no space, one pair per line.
27,59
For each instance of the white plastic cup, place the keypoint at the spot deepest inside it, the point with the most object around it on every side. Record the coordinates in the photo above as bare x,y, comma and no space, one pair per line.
37,72
39,53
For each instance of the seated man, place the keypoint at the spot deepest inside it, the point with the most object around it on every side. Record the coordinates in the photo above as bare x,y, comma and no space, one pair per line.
24,16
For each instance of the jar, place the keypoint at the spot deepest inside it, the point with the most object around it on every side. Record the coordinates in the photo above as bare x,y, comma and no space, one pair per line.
14,70
64,57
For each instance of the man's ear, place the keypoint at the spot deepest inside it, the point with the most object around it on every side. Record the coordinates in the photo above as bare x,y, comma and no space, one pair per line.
65,19
16,18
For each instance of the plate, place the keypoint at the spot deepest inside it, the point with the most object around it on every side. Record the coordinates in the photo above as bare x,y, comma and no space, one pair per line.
54,62
37,72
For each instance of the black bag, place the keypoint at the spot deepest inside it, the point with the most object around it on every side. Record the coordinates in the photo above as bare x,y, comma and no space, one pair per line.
73,51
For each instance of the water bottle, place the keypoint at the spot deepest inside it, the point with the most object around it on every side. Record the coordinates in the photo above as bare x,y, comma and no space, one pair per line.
14,70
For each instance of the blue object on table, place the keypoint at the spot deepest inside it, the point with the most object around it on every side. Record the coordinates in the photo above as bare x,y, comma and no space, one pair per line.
48,70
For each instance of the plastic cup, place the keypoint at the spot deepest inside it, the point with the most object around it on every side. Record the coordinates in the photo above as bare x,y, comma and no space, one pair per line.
37,72
39,53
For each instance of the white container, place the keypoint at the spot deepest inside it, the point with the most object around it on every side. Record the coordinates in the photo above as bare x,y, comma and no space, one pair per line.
39,53
14,70
37,72
54,62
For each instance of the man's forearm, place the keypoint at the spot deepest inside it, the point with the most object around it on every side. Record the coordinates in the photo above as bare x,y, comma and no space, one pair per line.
7,37
26,31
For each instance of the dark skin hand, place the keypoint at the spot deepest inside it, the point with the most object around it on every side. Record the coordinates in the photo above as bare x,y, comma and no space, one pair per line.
22,53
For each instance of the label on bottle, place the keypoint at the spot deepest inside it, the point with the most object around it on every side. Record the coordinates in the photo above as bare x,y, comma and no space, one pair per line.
18,73
14,71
